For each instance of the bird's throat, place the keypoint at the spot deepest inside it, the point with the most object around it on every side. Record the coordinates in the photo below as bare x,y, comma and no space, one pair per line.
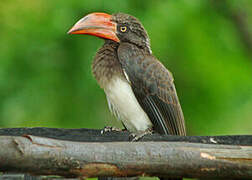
106,65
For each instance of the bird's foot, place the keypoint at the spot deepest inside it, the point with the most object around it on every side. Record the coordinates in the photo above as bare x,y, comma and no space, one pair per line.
140,134
110,129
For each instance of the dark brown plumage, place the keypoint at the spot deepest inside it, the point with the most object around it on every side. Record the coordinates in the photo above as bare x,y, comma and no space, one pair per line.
126,55
139,89
153,86
106,65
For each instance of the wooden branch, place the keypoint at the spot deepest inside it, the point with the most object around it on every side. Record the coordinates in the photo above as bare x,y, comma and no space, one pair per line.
46,156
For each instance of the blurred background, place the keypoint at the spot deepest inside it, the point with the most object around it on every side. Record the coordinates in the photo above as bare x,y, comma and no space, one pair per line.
45,74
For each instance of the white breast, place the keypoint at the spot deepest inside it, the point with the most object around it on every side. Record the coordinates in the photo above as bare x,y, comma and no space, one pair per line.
124,105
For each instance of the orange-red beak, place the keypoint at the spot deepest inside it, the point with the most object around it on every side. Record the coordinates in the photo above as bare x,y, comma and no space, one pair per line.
96,24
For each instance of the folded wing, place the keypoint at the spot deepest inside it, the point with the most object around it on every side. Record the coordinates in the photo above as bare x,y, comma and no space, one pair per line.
154,89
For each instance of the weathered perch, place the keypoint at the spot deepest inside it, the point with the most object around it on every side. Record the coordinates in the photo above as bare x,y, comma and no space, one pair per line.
88,153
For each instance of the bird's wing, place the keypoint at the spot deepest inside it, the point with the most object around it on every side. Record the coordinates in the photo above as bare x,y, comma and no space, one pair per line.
154,89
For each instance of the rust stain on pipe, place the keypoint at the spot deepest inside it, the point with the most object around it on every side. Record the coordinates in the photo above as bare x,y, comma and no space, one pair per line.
207,156
101,169
249,160
208,169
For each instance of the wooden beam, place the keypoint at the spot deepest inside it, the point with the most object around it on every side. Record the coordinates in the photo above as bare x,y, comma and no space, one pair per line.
46,156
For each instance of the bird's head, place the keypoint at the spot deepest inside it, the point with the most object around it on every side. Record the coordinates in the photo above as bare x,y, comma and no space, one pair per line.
118,27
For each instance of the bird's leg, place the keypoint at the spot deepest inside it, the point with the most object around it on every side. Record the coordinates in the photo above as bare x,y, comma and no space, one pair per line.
111,129
140,134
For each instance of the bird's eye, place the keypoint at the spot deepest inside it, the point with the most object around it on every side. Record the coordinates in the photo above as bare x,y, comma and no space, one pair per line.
123,28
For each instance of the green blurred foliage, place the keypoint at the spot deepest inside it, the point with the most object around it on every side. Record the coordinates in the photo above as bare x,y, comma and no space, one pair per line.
45,74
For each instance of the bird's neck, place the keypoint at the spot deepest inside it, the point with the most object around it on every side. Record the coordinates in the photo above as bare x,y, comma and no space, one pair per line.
146,46
105,64
143,45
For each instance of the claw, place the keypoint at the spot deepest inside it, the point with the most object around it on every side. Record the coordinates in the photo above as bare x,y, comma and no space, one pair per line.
140,134
110,129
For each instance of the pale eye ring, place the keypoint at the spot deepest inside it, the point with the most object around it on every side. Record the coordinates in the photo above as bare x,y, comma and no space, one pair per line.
123,28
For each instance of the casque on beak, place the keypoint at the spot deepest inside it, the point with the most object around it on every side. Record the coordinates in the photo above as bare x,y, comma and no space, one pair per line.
96,24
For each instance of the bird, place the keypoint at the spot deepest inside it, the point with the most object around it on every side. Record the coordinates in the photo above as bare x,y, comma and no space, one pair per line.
139,89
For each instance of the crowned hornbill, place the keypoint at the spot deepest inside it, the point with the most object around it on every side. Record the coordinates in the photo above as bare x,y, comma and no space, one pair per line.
139,89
